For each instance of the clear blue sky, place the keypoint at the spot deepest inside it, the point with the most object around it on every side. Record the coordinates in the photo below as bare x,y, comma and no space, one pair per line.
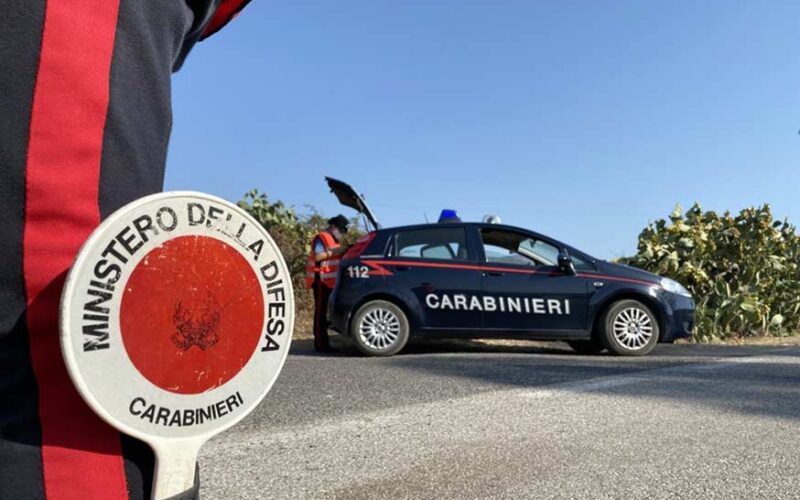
583,120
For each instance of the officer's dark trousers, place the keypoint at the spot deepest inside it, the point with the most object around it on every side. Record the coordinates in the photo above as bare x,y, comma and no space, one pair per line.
321,295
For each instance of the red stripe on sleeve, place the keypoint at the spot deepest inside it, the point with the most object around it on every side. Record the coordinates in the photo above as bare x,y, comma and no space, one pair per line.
81,454
224,14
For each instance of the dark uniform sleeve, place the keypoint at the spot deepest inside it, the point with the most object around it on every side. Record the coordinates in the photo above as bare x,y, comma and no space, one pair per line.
85,107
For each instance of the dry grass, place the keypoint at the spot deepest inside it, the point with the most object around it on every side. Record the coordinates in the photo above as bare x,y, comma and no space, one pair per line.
304,313
758,340
766,341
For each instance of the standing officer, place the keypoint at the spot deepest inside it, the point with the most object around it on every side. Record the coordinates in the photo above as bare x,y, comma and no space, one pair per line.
85,117
321,270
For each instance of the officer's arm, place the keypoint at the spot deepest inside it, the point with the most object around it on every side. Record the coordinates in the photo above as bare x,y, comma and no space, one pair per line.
327,254
319,257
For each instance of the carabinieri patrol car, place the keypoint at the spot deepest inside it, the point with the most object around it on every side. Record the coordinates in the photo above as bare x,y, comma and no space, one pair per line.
482,280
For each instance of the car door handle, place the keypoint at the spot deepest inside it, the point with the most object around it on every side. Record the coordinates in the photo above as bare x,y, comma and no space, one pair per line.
494,273
401,268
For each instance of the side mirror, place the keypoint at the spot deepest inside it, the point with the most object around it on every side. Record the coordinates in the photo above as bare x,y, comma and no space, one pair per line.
566,265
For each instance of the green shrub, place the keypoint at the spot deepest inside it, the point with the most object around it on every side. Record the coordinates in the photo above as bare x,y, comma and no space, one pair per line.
293,233
742,270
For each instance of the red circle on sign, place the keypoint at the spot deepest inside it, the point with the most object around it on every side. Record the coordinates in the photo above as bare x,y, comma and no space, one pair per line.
191,314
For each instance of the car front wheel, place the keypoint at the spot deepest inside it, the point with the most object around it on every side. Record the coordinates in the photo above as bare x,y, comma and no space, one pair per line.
380,328
629,328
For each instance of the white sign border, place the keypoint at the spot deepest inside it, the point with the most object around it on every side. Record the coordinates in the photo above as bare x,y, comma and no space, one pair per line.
69,293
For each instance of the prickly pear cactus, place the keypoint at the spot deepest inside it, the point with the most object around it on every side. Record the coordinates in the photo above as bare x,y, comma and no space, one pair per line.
743,270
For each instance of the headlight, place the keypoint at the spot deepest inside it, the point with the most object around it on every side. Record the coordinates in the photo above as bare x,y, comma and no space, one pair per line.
674,287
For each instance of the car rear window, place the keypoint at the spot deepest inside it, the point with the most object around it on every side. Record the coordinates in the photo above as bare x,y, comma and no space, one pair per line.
446,243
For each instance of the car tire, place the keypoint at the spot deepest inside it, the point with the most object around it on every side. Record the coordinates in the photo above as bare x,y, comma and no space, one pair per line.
379,328
629,328
586,346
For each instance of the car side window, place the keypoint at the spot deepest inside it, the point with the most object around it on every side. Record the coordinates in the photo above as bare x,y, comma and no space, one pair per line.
508,247
432,243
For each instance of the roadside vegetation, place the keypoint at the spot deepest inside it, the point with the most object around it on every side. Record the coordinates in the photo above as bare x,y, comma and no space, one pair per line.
292,232
743,270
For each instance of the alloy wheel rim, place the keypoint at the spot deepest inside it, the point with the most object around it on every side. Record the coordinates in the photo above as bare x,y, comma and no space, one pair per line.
633,328
379,328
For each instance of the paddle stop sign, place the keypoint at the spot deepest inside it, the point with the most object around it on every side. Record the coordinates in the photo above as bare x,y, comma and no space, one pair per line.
176,319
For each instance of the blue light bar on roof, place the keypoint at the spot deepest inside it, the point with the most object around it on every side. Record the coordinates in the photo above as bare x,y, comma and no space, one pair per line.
449,215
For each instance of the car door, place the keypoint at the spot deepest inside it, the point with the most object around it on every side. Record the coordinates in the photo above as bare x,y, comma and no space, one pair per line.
531,294
440,268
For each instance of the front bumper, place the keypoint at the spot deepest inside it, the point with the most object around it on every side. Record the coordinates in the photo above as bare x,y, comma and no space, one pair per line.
679,322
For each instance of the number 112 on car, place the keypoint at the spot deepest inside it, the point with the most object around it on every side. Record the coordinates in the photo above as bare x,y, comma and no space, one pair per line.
358,271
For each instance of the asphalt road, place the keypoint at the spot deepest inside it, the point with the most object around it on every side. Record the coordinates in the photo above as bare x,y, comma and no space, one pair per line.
458,420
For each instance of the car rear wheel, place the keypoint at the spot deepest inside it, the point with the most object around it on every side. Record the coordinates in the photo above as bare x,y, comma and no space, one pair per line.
629,328
586,346
380,328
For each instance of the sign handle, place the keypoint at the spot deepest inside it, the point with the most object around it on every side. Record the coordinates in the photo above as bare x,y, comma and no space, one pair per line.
176,460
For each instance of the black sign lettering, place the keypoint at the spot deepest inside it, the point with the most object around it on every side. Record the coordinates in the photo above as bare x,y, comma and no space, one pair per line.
213,214
271,345
256,248
184,417
104,270
98,336
270,271
143,224
110,249
197,214
170,216
125,240
275,326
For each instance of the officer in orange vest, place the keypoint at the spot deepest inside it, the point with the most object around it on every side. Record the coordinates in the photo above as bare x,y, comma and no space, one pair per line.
321,271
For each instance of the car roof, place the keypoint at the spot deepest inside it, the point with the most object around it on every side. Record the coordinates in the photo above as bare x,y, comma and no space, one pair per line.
437,225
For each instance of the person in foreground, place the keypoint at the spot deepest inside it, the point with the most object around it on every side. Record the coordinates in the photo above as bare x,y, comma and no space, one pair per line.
85,106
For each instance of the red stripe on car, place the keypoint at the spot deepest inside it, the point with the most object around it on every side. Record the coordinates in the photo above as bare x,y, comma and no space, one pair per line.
378,264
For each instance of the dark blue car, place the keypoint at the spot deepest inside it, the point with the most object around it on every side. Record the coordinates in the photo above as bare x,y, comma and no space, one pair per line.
481,280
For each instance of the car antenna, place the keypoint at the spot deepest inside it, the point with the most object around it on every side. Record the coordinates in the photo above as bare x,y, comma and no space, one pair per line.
425,214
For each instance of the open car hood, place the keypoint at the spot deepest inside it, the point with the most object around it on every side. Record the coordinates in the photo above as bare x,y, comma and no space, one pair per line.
348,197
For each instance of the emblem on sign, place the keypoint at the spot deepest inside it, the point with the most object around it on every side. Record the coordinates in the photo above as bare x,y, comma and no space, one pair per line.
177,318
196,331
